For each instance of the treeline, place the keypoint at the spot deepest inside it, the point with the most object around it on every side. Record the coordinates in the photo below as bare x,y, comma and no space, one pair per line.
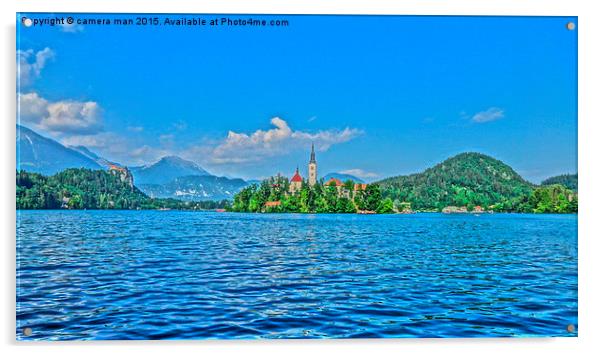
554,199
570,181
310,199
468,179
92,189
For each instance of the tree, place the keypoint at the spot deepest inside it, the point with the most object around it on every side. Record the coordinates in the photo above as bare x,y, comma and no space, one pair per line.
373,197
385,206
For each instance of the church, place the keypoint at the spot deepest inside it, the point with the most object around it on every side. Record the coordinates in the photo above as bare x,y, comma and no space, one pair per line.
296,181
312,173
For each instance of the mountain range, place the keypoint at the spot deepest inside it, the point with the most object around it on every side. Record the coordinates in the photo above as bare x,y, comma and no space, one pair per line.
36,153
170,177
195,188
467,178
166,170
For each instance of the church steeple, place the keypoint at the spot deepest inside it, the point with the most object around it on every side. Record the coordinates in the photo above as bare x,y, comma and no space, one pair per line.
312,167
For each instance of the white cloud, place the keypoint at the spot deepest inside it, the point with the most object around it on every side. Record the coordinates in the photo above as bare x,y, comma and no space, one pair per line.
66,116
30,64
32,108
262,144
71,28
489,115
135,129
167,140
357,172
97,141
117,147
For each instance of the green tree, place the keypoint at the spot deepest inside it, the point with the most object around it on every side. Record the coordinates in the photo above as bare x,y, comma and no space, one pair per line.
385,206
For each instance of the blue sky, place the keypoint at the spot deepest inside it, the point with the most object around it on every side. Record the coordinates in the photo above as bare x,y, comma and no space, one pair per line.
379,96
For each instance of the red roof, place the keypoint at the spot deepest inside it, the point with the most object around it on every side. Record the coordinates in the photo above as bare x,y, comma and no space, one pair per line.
272,204
337,182
360,186
297,177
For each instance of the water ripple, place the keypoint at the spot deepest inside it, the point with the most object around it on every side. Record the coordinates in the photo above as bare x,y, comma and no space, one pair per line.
186,275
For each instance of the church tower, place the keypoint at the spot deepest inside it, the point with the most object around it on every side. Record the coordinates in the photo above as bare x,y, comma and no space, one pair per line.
312,167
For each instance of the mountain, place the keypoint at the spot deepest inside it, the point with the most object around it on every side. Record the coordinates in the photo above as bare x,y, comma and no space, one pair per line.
36,153
467,179
567,180
92,156
343,177
195,188
79,188
166,170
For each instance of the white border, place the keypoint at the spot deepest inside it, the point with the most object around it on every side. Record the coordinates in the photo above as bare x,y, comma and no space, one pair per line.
590,198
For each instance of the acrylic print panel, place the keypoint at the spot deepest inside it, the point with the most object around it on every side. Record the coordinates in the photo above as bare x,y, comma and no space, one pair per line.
190,176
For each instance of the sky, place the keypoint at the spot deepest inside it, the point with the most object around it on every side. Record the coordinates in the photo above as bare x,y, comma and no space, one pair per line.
379,96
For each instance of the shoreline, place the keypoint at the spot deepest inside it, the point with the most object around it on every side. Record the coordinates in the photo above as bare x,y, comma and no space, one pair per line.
293,213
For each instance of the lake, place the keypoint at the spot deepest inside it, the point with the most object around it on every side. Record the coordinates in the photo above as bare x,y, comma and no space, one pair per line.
201,275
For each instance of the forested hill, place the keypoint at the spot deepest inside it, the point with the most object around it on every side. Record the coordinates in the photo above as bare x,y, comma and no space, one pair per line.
80,188
467,179
568,181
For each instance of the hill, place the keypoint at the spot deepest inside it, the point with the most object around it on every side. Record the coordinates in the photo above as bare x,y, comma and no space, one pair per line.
467,179
36,153
569,181
77,189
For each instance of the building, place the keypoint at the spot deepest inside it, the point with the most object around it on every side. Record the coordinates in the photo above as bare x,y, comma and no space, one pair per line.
312,172
124,174
296,182
312,167
345,192
335,182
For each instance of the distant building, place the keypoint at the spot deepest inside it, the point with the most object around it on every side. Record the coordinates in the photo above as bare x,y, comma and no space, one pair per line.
312,172
334,182
272,204
124,174
344,192
360,187
296,182
312,167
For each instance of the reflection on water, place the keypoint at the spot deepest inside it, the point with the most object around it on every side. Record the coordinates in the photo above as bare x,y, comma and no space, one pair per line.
191,275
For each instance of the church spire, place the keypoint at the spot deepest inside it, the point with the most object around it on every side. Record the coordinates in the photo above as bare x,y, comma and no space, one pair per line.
312,167
312,156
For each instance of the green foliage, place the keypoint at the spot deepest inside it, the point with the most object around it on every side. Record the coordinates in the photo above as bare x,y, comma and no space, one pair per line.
385,206
310,199
91,189
553,199
468,180
569,181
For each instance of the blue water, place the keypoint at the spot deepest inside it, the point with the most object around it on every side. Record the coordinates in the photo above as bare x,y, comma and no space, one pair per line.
193,275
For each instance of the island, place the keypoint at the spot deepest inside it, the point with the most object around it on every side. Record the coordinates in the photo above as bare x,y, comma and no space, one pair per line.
468,182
